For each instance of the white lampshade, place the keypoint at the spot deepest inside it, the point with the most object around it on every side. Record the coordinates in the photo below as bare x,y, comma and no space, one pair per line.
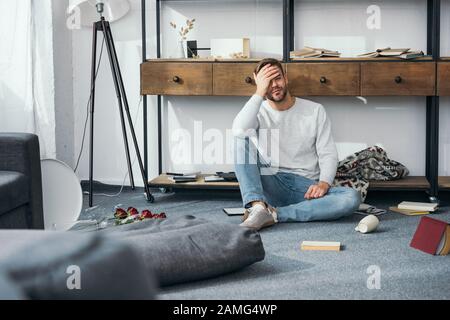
113,10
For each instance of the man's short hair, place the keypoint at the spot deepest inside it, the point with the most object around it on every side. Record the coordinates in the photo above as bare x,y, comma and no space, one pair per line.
271,61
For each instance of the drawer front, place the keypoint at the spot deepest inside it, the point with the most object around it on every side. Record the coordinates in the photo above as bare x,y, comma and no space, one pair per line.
324,79
233,79
398,78
444,78
173,78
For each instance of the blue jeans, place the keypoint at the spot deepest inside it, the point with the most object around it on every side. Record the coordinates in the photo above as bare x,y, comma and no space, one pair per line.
285,191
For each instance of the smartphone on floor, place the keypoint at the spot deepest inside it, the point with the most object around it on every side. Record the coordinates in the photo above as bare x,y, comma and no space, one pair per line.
234,211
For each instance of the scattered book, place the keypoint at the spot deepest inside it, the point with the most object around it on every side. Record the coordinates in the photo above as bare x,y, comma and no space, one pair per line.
367,209
309,52
178,178
418,206
404,53
385,52
411,55
181,174
321,245
214,178
227,176
432,236
408,212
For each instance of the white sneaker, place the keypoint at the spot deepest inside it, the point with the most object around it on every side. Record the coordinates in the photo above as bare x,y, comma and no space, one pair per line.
258,217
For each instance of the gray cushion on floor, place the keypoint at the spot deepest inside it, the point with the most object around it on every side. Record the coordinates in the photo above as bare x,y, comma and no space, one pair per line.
188,248
38,265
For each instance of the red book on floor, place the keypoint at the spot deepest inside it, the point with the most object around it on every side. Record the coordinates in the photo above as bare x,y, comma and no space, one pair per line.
429,235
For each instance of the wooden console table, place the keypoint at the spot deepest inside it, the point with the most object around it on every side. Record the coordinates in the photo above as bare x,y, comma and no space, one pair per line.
427,76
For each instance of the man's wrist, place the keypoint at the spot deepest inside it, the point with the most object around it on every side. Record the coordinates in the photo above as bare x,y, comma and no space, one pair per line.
325,184
262,95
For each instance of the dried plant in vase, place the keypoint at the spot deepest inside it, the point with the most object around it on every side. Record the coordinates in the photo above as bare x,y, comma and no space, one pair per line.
183,31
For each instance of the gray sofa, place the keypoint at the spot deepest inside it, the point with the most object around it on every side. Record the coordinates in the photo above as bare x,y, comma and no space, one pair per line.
20,182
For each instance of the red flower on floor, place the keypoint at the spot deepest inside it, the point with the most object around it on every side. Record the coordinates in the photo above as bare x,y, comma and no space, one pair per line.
132,211
120,213
146,214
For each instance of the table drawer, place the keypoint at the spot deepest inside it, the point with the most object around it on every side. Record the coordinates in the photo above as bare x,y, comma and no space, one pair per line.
173,78
398,78
443,79
324,79
233,79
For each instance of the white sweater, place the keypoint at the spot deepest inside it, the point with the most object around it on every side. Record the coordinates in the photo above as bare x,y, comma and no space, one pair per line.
306,146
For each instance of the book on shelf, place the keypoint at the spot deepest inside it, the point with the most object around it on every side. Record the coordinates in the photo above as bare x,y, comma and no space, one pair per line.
309,52
182,174
418,206
183,177
408,212
214,178
432,236
321,245
403,53
411,55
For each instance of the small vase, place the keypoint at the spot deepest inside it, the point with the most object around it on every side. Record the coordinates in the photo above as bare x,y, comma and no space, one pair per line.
180,51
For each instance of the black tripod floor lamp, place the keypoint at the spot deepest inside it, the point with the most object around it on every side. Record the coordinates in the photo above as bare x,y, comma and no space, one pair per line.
103,26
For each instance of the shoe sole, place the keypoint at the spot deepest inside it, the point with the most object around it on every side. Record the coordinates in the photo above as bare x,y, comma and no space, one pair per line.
265,225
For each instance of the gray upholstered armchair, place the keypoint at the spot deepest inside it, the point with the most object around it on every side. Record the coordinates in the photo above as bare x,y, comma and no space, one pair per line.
20,182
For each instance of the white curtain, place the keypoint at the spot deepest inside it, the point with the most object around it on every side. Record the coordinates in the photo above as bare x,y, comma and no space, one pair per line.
27,101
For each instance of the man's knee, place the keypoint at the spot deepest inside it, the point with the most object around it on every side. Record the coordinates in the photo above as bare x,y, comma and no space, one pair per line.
352,201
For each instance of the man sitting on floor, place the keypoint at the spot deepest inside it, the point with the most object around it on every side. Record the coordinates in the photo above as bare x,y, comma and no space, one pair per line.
297,185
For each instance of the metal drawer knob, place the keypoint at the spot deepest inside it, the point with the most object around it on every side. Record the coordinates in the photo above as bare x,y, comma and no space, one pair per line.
323,80
248,80
176,79
398,79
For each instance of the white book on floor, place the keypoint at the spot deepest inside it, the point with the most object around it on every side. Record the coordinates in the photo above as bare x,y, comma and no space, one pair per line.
419,206
321,245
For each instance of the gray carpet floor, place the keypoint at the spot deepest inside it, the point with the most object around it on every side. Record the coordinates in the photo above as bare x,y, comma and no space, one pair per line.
289,273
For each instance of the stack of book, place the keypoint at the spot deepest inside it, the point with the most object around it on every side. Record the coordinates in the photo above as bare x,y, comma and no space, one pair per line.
183,177
404,53
414,208
309,52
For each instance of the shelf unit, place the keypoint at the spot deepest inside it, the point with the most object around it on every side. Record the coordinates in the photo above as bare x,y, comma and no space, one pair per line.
431,68
443,89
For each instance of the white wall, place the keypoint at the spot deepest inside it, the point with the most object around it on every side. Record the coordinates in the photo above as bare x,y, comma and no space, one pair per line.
62,57
397,123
